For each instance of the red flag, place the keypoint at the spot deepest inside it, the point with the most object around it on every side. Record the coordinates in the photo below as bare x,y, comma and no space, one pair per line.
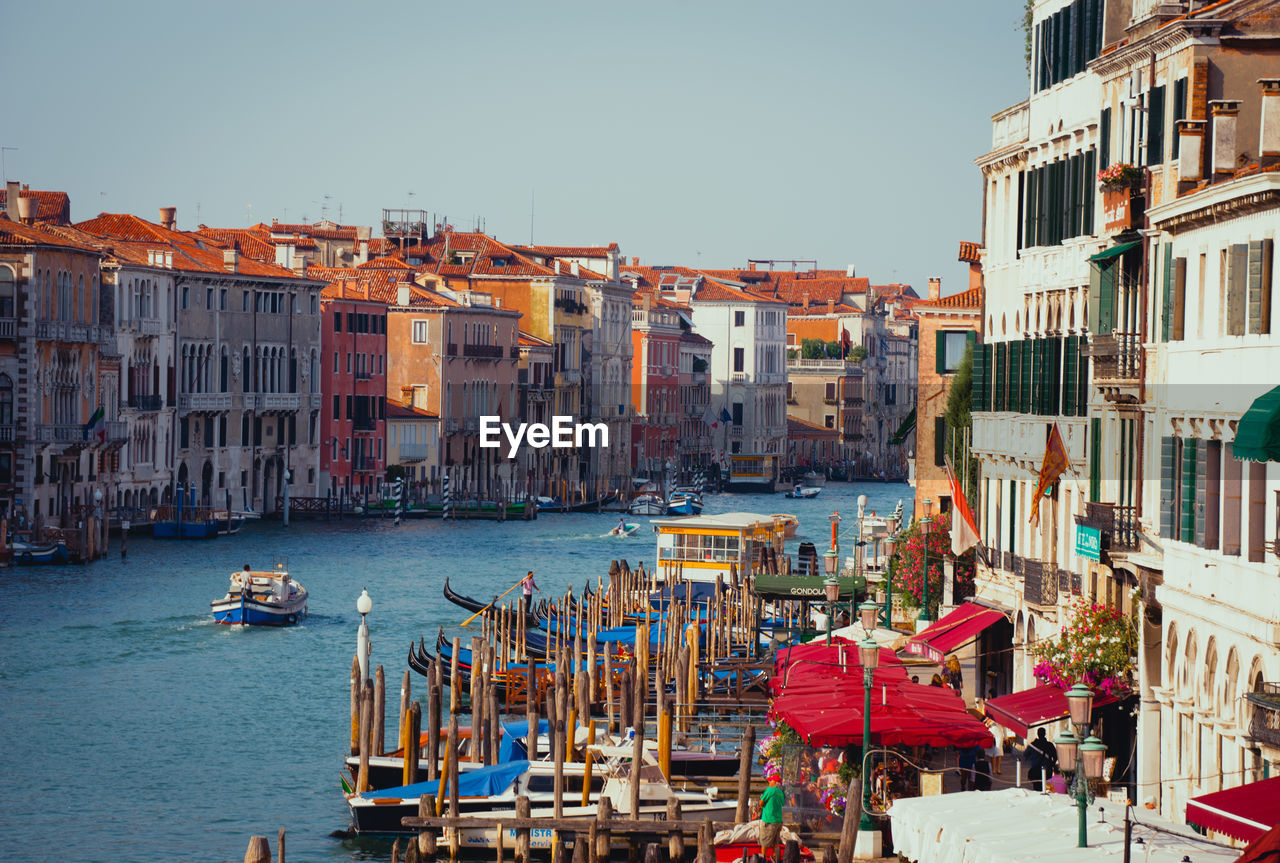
964,530
1055,465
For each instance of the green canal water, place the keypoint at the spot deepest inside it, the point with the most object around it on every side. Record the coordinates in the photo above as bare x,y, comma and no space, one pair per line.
138,730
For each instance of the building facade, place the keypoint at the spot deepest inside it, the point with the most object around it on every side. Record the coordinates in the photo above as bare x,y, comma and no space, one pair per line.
353,354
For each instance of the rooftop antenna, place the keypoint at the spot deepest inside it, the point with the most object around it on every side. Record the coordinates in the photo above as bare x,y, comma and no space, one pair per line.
339,212
248,215
3,172
197,212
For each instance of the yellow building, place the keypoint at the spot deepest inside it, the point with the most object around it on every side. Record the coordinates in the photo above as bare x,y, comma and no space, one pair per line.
708,545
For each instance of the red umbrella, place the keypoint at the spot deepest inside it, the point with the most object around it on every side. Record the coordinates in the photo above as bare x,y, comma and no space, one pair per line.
1264,849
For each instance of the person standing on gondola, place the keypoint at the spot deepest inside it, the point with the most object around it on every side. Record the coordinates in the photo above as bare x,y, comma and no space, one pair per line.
528,586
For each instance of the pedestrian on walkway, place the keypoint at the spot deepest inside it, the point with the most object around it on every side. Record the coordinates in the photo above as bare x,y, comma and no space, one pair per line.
951,671
771,818
996,750
981,771
1042,760
968,756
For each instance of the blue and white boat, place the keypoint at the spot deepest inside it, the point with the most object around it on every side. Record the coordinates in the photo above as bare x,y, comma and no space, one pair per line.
261,598
684,503
27,552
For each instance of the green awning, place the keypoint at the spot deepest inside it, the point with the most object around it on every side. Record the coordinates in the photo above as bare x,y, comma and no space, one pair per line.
1258,434
1115,251
903,430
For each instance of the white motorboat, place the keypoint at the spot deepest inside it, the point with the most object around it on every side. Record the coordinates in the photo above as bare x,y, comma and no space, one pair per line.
804,492
647,504
261,598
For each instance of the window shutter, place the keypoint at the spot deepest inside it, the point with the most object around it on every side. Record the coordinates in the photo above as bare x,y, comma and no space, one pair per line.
1166,304
1257,320
1037,376
1257,512
998,377
1232,469
1095,459
1178,331
979,394
1237,273
971,340
1168,485
1055,377
939,441
1104,311
1022,210
1013,397
1104,140
1082,382
1090,186
1213,492
1155,126
1201,489
1070,362
940,351
1179,110
1088,25
1187,503
1073,39
1026,378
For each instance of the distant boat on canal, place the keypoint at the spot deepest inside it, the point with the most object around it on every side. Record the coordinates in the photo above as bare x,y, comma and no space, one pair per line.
261,598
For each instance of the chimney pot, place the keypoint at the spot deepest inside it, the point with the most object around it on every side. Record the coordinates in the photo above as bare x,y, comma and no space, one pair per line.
12,194
169,218
831,307
635,262
27,209
848,272
804,299
1190,149
1225,112
935,289
1269,131
402,295
230,260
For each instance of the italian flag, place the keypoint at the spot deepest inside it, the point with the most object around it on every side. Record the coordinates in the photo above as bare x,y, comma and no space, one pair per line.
94,421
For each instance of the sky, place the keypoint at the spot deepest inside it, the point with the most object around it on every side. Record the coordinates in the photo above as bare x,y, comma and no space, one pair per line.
700,133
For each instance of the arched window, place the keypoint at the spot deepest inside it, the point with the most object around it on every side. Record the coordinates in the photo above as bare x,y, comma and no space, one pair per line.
223,371
8,309
77,312
6,400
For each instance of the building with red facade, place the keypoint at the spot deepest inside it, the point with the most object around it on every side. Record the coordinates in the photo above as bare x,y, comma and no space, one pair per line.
655,383
354,374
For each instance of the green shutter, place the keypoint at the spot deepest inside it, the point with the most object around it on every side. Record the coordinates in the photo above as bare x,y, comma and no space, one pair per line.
1025,406
1037,376
1090,190
1202,470
1237,283
979,391
1104,140
1155,126
1013,516
1095,459
1168,485
1177,332
940,355
1179,108
1054,408
1166,304
939,441
1071,362
1013,397
998,388
988,357
1187,503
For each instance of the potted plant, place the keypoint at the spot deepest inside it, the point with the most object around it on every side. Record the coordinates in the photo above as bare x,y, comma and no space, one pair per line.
1120,176
1096,647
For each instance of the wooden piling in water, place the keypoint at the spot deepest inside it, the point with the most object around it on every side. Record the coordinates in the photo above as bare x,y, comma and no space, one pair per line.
405,698
745,757
426,838
675,842
413,733
379,712
433,727
366,711
523,810
259,850
355,705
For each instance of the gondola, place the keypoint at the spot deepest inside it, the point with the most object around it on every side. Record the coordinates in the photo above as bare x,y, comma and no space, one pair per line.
591,505
531,618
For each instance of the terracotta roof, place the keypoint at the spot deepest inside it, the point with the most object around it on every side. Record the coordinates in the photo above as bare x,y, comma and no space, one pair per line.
795,426
969,252
17,234
712,291
523,338
568,251
319,230
250,241
970,299
382,285
688,336
791,287
191,251
399,411
51,207
838,308
385,263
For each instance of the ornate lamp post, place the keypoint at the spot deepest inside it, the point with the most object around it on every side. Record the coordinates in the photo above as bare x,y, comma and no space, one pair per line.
1083,760
869,652
831,586
363,605
925,617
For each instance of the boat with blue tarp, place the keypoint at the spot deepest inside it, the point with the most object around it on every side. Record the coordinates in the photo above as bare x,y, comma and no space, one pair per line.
261,598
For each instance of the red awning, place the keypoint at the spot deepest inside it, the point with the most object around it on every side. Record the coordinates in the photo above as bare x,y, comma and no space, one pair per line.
1264,848
1244,812
1022,711
959,627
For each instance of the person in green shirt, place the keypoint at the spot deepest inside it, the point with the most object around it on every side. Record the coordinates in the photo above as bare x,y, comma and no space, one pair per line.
771,816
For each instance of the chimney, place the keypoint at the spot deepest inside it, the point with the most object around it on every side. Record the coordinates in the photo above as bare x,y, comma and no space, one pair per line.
12,193
753,265
169,218
848,272
804,299
557,265
402,295
1225,112
1269,134
935,289
1190,149
573,267
831,307
646,302
231,260
298,263
27,209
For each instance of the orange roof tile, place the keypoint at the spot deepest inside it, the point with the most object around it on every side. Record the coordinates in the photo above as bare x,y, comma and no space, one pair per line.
970,299
970,252
400,411
17,234
50,207
797,426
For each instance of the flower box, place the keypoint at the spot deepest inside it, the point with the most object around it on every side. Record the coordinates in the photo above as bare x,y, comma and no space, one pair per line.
1123,209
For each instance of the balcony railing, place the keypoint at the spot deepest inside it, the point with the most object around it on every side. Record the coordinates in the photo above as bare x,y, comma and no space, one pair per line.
471,424
277,401
1118,525
145,326
205,401
825,365
451,426
738,377
362,375
117,431
60,433
69,331
514,352
1039,583
365,424
7,433
1117,358
1264,727
735,431
8,328
451,349
146,403
490,352
415,452
829,401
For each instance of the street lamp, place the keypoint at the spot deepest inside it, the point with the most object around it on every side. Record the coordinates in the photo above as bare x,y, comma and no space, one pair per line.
1083,760
890,546
859,569
830,557
924,616
869,652
867,613
831,586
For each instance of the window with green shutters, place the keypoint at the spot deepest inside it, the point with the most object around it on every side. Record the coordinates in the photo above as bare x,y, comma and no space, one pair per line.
1202,458
989,354
1177,331
1166,302
1169,484
1071,361
1013,517
1155,126
1261,253
1187,496
979,392
1102,297
1179,110
1082,381
1095,459
1104,139
999,376
1037,376
1054,364
939,441
1025,382
1090,190
1013,396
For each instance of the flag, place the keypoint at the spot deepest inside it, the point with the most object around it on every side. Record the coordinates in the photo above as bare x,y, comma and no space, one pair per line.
845,343
709,417
964,530
1055,465
94,421
725,416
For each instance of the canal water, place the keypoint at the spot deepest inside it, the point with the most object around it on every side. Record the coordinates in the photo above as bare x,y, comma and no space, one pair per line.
137,730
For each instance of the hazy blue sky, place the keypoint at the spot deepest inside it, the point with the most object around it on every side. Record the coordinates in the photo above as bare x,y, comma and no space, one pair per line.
697,133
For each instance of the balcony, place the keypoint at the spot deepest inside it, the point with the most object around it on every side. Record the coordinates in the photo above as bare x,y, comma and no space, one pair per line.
60,433
362,375
1123,209
144,326
451,349
1118,524
1117,365
514,352
1264,727
276,401
205,401
364,424
8,328
471,424
8,433
486,352
735,432
1039,583
829,401
738,377
411,453
451,426
146,403
834,365
117,432
68,331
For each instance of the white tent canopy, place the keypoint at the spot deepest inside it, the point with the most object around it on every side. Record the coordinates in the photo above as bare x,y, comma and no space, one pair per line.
1022,826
